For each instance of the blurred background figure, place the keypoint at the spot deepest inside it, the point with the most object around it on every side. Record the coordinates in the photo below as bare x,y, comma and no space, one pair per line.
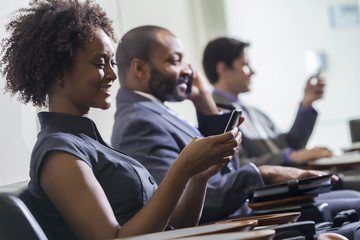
227,67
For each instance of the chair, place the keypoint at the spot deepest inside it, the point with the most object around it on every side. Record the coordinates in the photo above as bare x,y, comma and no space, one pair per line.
354,126
16,220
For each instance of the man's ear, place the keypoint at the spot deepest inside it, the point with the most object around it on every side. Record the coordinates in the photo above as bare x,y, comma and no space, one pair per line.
140,68
221,68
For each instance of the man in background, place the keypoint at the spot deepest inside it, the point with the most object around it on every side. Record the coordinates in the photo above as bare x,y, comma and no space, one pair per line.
227,67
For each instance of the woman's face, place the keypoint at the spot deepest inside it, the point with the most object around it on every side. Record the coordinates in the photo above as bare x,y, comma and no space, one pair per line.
88,83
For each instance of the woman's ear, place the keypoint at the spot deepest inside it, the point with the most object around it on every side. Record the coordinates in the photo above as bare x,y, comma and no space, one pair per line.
64,78
61,81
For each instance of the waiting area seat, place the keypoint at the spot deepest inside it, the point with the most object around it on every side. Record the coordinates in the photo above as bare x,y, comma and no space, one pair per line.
16,220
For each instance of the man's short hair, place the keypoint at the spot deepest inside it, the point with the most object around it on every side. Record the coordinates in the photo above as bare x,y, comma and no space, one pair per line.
137,43
222,49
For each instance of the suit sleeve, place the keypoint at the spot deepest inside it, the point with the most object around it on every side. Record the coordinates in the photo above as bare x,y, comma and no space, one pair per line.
227,193
296,138
148,142
264,159
301,130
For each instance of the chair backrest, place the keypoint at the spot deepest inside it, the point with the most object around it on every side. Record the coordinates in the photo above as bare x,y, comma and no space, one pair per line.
354,125
43,221
16,220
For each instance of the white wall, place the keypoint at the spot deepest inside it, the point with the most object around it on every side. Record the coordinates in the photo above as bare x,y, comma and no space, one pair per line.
280,32
18,125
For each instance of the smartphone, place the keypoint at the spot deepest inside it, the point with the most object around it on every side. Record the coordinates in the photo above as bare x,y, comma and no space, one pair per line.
315,77
317,74
189,83
233,120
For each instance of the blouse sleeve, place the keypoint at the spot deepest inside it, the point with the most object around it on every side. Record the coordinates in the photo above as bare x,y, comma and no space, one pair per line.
56,142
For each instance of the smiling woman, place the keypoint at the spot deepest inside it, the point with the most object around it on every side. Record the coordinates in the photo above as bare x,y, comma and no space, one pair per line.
84,188
87,84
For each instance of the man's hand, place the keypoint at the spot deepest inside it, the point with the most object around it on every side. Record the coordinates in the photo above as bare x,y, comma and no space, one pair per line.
331,236
313,92
201,95
305,155
278,174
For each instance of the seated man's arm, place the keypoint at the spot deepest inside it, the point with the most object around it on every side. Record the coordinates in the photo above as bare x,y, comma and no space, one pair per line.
302,128
227,193
148,141
266,158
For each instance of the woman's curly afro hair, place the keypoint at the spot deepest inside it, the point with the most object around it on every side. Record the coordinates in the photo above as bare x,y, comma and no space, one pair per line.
42,42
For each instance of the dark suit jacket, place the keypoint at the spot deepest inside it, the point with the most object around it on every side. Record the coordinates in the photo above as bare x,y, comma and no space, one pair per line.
255,149
149,133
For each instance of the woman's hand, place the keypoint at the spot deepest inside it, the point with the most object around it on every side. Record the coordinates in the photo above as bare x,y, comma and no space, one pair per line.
201,159
208,155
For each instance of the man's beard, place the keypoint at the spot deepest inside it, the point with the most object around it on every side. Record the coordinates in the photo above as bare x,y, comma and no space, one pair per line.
165,88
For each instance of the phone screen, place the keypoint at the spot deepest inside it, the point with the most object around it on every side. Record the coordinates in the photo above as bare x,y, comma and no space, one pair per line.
233,120
318,72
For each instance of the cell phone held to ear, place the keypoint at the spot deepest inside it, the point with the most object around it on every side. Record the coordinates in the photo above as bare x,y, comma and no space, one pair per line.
189,83
233,120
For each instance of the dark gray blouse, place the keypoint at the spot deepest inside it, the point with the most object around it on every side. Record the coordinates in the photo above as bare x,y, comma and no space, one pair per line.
126,183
